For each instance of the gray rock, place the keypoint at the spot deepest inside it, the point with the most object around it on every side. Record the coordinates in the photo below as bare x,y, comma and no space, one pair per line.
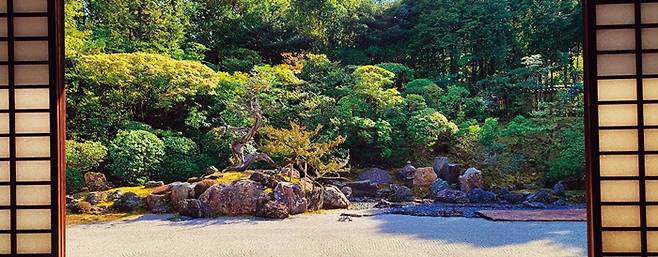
376,175
96,181
334,198
292,195
478,195
179,192
451,196
157,203
315,198
273,210
128,202
115,195
440,167
541,196
512,198
154,184
406,172
195,208
560,202
347,191
471,179
363,188
559,189
95,198
401,194
534,205
438,186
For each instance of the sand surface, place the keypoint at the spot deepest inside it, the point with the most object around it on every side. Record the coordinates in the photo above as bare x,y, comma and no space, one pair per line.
315,235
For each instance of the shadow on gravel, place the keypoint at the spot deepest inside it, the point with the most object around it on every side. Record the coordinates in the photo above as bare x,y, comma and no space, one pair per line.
486,234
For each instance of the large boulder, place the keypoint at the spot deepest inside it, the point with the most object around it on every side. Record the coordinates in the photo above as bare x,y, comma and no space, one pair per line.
179,192
242,197
559,189
478,195
451,196
471,179
315,198
128,202
511,197
363,188
376,175
273,210
292,195
195,208
161,190
334,198
157,203
438,186
202,186
446,171
423,178
80,207
401,194
96,181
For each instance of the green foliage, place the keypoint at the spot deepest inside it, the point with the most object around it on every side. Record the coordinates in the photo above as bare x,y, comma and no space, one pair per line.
135,156
403,74
570,156
81,157
181,160
429,128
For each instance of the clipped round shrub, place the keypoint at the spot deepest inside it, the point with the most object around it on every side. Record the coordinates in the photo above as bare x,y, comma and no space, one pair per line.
180,161
135,155
81,157
428,127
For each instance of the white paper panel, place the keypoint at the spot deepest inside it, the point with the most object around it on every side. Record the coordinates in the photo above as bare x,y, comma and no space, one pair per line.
4,75
31,75
5,220
618,115
32,195
33,147
611,14
651,165
33,243
615,39
652,190
32,122
616,64
649,11
4,147
33,171
622,89
3,6
3,27
618,140
620,216
30,6
650,89
652,241
621,241
652,216
33,219
651,140
650,38
30,26
4,123
5,244
3,51
620,191
4,99
31,50
5,196
650,63
619,165
4,171
32,99
651,114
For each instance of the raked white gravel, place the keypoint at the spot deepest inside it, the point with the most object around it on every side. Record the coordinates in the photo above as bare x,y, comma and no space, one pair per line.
321,235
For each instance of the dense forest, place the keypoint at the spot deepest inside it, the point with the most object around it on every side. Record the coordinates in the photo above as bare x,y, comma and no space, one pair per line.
161,89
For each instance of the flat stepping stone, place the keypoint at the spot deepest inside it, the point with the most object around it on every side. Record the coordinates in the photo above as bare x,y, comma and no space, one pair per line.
535,215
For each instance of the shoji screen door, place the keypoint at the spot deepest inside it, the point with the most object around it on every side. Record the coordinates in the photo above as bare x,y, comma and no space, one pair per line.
622,99
30,145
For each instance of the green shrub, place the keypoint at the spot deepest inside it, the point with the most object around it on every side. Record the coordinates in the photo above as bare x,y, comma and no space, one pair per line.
135,155
180,161
403,74
570,157
81,157
429,127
